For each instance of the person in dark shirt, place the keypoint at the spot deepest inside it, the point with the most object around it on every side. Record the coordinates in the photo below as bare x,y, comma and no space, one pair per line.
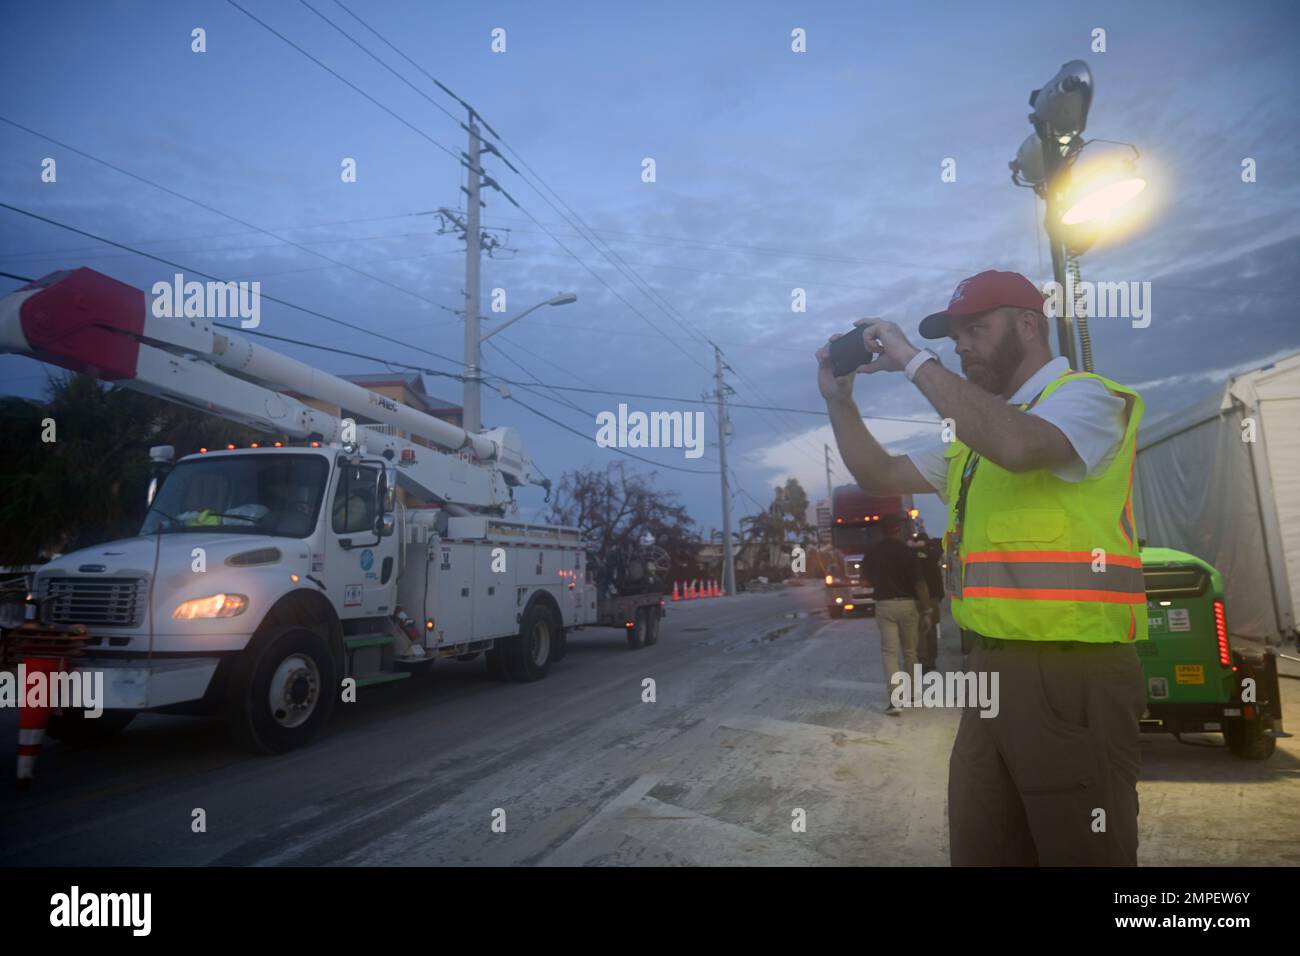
899,582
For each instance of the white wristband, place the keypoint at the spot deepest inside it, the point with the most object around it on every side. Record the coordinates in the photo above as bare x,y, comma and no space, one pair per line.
919,359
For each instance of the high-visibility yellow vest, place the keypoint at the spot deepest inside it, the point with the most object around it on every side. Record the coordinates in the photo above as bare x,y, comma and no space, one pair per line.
1043,559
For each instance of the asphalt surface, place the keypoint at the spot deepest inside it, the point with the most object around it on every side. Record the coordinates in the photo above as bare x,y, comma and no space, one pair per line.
766,714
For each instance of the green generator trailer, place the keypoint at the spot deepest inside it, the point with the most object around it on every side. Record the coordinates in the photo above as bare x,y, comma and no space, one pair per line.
1197,681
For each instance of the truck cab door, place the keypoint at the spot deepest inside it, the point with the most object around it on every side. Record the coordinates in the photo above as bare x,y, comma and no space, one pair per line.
361,561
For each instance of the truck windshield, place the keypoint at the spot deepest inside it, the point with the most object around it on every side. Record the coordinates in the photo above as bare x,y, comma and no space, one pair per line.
271,494
848,539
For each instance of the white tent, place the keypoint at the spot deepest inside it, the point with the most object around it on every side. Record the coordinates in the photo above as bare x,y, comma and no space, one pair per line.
1222,481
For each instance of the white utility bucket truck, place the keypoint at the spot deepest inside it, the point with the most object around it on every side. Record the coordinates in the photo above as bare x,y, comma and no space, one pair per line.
264,577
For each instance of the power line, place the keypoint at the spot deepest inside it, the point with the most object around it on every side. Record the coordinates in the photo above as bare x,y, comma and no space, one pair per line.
213,209
768,250
499,342
269,298
475,114
270,29
611,257
217,235
455,119
790,428
621,451
370,332
353,354
560,398
469,109
234,250
592,238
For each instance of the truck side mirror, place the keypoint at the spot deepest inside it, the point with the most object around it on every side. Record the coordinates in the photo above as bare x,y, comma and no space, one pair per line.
385,501
160,463
388,486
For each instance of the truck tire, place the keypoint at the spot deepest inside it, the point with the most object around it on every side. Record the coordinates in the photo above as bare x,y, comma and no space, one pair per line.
836,610
636,633
560,645
1245,738
282,691
652,626
74,727
528,654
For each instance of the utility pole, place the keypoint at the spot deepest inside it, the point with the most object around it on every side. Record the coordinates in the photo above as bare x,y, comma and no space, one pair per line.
728,558
473,249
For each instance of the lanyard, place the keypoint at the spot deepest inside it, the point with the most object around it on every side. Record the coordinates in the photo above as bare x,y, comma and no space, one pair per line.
967,473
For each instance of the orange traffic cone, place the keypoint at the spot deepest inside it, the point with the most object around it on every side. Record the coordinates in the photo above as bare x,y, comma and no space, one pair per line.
32,721
45,650
676,596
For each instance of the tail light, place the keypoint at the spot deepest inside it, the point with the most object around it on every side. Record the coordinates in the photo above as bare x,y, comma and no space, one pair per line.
1221,632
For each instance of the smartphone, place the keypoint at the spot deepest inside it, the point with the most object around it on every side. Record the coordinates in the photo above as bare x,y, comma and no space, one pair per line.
848,352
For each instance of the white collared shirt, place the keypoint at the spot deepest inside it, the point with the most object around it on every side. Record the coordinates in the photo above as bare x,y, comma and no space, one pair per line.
1090,417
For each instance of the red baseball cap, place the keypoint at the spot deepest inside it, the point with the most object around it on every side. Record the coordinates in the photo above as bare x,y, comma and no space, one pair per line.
980,293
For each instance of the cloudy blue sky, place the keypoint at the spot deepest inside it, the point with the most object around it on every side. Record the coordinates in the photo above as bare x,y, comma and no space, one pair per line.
775,171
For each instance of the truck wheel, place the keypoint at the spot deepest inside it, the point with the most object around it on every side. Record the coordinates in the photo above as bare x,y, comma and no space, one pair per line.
74,727
636,633
651,628
1245,738
528,654
282,691
836,610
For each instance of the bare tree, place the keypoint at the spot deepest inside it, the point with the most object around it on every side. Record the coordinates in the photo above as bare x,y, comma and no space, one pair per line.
614,507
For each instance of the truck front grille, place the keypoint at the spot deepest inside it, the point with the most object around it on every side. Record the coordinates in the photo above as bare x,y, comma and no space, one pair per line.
102,602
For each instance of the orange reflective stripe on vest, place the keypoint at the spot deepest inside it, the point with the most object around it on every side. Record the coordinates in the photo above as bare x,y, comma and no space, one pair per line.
1054,576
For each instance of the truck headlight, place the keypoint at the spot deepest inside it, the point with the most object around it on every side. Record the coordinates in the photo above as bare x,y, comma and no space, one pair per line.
216,605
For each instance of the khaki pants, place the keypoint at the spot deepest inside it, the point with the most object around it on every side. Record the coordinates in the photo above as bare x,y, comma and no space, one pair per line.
1052,779
897,619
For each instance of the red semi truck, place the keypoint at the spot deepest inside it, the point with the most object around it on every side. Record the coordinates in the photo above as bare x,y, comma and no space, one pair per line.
855,526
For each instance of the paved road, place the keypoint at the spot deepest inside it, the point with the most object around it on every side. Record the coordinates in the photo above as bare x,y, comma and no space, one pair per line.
764,713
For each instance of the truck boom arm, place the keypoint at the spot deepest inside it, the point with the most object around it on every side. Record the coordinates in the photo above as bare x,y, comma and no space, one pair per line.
91,323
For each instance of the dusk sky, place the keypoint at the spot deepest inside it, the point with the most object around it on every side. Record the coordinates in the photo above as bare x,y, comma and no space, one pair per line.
775,170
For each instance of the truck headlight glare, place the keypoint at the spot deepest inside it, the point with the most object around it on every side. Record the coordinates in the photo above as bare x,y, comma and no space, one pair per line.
215,605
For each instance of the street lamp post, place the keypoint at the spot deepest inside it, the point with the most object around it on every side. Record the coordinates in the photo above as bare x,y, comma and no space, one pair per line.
473,355
1076,206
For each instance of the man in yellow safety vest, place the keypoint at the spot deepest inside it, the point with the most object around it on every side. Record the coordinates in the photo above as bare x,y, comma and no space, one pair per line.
1035,463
